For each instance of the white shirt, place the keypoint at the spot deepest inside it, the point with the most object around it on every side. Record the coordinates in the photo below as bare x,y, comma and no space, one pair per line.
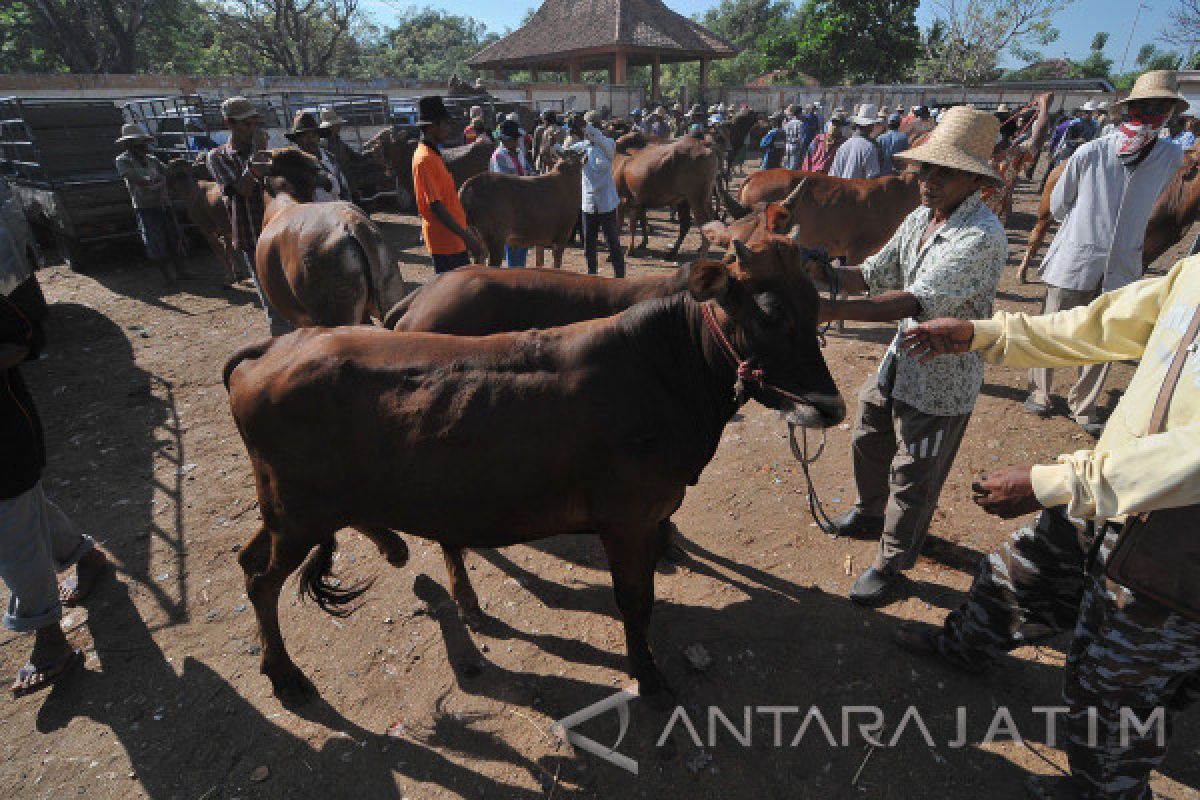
599,189
856,158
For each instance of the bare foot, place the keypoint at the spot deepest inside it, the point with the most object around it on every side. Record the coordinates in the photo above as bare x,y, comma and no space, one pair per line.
74,591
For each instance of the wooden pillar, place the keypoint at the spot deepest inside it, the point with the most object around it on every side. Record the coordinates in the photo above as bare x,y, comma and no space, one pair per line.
533,73
500,74
703,75
617,74
655,78
573,72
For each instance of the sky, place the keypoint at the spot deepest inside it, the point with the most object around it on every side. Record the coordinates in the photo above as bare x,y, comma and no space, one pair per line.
1077,25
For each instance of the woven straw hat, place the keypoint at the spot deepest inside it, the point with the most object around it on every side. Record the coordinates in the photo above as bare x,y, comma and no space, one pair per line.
238,108
866,114
963,139
133,132
1159,84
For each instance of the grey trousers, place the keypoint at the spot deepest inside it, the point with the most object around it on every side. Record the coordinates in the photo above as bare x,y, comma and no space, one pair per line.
278,324
1084,396
901,459
37,541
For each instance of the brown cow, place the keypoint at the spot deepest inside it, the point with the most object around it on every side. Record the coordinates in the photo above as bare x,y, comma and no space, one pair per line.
849,218
525,211
490,441
395,151
680,173
1174,212
320,263
206,210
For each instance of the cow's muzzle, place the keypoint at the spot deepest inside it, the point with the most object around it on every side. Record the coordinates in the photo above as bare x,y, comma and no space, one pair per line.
817,411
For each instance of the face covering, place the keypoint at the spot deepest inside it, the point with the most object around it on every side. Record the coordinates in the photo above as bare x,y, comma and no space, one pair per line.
1138,133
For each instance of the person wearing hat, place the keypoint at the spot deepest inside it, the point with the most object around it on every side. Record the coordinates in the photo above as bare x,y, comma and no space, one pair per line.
146,179
794,137
1103,200
470,132
824,146
509,159
858,157
443,221
774,144
305,133
890,142
600,198
944,260
547,127
658,124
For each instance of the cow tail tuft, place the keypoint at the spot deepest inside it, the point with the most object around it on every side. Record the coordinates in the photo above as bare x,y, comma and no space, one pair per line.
255,350
316,583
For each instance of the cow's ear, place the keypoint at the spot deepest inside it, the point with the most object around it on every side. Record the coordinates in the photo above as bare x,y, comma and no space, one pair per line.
777,217
708,280
717,232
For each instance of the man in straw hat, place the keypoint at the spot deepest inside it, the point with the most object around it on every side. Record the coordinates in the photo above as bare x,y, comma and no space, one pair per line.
944,260
305,133
443,221
1133,662
146,178
858,157
233,167
1103,200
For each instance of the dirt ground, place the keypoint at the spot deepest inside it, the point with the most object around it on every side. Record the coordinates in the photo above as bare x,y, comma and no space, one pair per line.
171,703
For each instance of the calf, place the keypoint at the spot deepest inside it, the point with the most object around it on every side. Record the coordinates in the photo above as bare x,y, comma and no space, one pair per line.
489,441
525,211
321,263
205,205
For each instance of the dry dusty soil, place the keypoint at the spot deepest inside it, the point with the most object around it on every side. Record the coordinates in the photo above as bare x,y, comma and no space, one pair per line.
171,704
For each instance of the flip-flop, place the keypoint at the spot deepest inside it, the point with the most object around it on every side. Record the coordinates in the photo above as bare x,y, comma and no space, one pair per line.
71,586
51,673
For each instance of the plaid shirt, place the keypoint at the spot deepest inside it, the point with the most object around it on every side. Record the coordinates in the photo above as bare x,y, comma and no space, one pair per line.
227,166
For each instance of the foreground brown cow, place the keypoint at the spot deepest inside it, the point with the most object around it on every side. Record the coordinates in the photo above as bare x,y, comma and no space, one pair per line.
206,210
488,441
395,151
679,174
848,218
1174,212
320,263
534,210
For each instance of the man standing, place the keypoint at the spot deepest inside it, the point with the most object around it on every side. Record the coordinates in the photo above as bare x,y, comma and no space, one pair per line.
37,539
509,159
824,147
335,153
146,179
1103,200
890,143
231,166
944,260
306,134
794,137
600,199
773,144
858,156
1130,654
443,221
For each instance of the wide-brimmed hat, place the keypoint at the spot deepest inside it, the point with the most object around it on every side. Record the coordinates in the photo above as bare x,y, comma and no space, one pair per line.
133,132
1159,84
304,121
1089,105
1003,109
431,110
866,114
238,108
964,140
592,118
330,119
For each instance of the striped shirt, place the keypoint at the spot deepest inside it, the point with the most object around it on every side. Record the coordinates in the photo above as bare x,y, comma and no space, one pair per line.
227,166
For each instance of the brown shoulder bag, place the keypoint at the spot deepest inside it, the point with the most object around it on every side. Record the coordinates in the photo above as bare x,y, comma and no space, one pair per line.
1157,553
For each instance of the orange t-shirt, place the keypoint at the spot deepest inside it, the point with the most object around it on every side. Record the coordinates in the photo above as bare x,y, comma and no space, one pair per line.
432,181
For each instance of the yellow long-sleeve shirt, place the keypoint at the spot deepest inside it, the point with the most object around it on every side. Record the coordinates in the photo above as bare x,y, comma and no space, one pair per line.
1128,471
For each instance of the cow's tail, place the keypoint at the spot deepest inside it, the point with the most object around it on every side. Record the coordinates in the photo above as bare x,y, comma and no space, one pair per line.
255,350
317,583
731,205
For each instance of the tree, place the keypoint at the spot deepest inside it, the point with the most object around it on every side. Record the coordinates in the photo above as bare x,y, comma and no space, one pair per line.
85,36
293,37
854,41
974,33
1095,64
431,45
1183,28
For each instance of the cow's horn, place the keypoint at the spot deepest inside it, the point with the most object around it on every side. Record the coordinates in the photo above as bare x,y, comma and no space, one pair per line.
794,234
790,201
743,252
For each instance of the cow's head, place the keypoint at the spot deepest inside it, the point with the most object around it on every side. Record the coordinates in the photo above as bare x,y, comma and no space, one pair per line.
568,161
293,172
761,220
771,305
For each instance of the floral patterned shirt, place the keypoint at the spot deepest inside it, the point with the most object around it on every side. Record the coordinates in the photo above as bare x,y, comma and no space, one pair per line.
953,275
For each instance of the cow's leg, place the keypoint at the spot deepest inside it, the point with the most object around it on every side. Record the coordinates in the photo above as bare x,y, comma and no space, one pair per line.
632,555
685,225
286,554
645,219
461,589
390,545
557,254
1035,241
495,248
223,260
539,257
633,216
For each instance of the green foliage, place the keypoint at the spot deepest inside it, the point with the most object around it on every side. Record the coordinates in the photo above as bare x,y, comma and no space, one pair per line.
972,35
848,41
431,44
1095,64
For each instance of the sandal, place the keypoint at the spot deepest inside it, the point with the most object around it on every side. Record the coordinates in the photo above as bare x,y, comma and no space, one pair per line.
31,678
73,591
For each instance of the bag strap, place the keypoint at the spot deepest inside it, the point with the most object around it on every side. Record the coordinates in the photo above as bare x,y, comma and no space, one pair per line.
1159,416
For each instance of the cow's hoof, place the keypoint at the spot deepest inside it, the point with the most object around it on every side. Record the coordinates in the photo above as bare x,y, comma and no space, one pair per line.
475,619
292,687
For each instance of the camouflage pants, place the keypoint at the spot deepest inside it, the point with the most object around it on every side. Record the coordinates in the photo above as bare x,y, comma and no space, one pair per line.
1131,660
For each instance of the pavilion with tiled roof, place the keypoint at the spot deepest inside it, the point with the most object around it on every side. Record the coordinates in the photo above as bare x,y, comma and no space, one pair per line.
575,35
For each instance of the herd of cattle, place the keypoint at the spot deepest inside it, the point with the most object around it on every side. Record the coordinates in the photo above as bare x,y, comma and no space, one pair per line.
494,407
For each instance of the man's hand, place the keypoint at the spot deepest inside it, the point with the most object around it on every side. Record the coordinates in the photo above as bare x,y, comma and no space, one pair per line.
936,337
1006,493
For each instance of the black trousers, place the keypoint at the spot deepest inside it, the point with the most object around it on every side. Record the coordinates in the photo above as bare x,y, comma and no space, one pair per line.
592,225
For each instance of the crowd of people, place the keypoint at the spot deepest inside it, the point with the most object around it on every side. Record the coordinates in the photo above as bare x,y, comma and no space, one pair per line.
937,277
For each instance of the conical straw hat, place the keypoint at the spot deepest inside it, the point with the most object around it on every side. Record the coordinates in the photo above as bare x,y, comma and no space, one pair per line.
1158,84
964,139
